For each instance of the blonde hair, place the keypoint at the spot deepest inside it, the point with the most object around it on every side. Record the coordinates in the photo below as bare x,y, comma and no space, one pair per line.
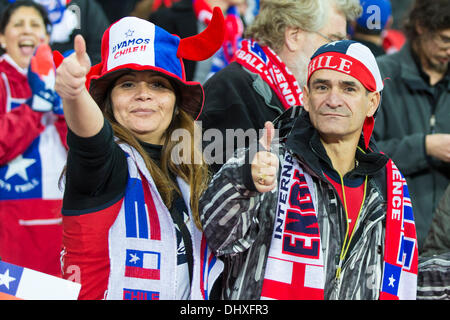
310,15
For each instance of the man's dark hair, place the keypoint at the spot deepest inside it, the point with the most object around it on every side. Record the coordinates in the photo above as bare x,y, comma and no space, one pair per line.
431,15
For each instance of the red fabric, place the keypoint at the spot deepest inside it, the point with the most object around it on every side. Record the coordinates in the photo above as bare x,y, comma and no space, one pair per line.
272,70
86,250
346,64
354,198
205,44
368,126
42,242
393,41
57,58
19,127
42,60
285,291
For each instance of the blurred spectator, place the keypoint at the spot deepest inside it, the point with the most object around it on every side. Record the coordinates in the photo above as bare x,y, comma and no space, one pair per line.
438,238
271,67
433,279
369,27
189,17
413,124
393,40
32,142
400,10
251,11
434,264
72,17
143,8
117,9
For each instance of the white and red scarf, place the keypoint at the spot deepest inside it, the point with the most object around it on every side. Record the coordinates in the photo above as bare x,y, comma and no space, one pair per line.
143,244
265,62
295,265
234,29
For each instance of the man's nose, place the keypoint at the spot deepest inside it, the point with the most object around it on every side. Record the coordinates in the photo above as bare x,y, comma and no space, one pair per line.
334,99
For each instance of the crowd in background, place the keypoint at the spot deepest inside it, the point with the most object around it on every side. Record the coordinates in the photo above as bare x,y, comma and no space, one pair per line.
410,40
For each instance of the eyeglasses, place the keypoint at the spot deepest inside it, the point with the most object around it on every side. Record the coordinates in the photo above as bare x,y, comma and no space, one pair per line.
333,38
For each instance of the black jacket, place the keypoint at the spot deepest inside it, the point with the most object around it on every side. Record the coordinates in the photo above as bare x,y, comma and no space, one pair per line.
236,98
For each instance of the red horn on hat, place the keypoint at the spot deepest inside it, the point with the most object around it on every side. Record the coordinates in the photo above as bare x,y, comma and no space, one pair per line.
204,45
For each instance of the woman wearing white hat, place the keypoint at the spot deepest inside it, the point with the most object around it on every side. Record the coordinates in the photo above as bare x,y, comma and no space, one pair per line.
131,225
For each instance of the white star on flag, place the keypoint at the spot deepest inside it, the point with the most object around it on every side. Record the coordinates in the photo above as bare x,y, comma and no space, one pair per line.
5,279
391,281
134,258
332,43
19,166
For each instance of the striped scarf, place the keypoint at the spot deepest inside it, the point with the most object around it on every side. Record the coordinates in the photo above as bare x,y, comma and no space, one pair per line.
143,245
295,267
265,62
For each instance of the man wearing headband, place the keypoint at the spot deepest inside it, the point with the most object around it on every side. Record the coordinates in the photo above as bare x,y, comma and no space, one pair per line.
313,222
269,70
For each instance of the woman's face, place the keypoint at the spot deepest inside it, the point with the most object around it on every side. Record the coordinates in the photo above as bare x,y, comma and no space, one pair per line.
23,33
144,102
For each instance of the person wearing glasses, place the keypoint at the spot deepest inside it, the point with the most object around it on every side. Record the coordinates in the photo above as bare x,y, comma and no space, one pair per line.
413,127
271,66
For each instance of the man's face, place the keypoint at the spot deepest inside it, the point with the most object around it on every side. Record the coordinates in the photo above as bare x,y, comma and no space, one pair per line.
434,50
338,105
335,29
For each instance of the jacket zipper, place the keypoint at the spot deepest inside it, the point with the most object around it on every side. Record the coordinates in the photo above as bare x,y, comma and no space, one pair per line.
432,123
337,283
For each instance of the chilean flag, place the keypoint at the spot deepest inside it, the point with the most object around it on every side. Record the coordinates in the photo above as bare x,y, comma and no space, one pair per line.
143,264
28,284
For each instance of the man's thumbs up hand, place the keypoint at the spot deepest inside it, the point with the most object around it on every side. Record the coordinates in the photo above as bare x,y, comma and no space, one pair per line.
265,164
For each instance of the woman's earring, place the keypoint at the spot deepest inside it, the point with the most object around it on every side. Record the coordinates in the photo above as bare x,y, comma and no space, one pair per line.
3,46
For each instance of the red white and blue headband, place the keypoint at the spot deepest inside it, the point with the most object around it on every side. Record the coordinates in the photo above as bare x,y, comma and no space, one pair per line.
349,57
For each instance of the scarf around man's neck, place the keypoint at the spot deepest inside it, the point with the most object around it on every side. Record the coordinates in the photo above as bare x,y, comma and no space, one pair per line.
295,264
265,62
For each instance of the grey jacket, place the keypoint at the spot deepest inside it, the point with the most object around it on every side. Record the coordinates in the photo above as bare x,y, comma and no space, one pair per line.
238,221
410,109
